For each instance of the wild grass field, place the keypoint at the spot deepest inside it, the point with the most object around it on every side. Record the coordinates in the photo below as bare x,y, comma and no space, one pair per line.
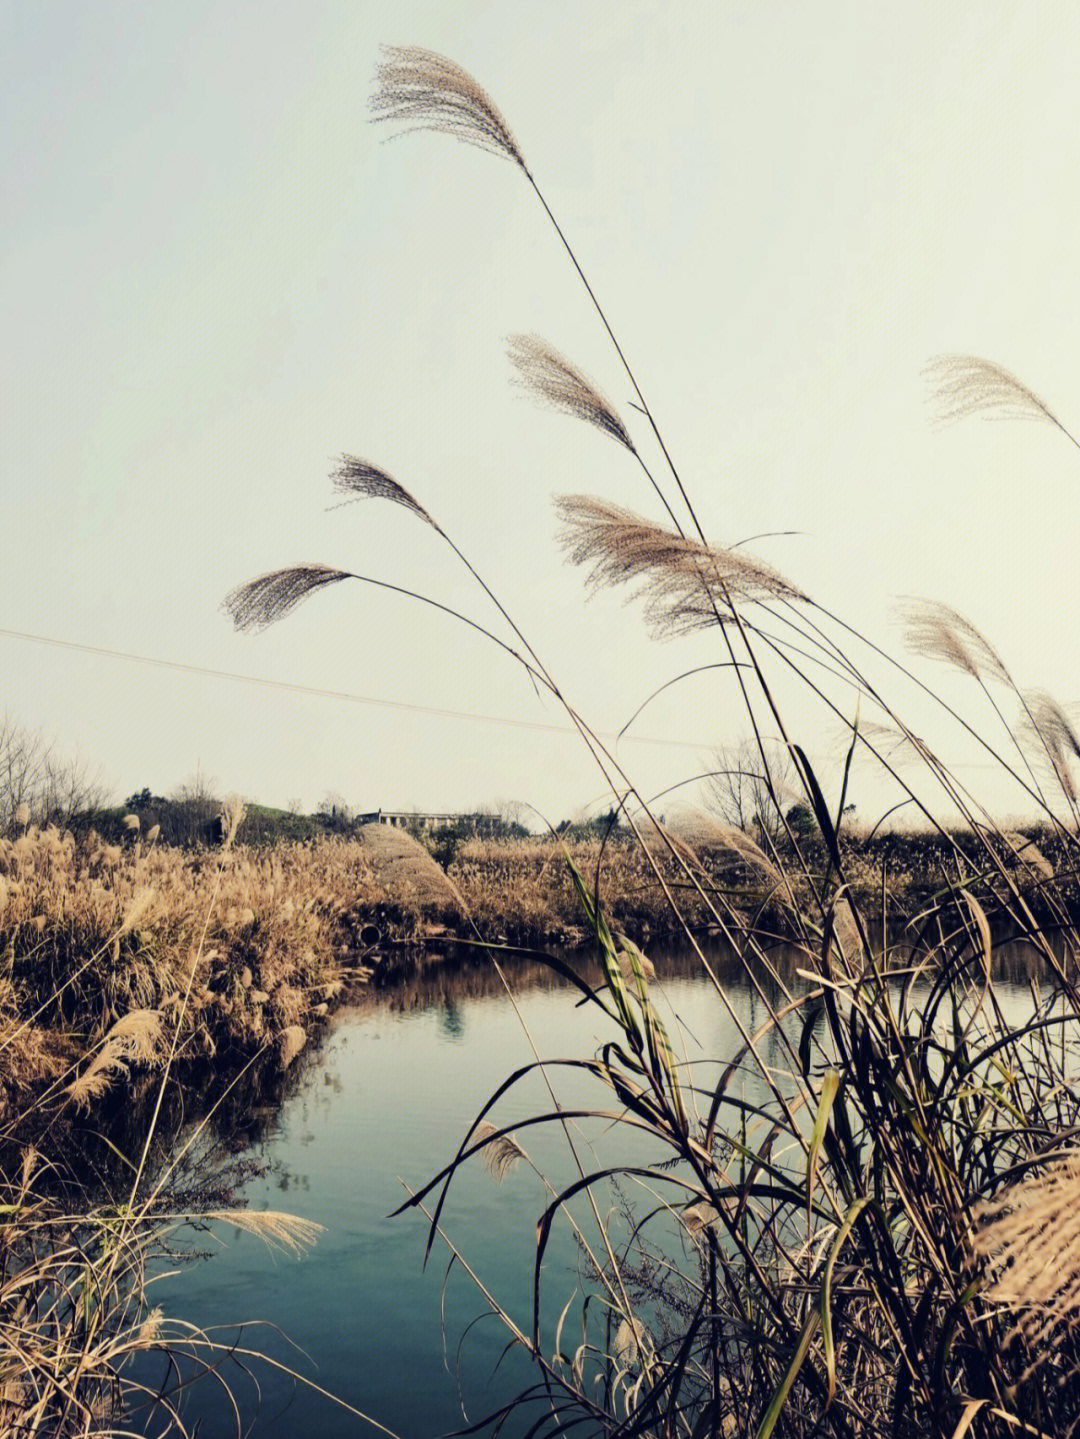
885,1244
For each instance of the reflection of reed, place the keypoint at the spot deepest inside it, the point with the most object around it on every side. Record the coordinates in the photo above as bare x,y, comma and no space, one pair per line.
414,980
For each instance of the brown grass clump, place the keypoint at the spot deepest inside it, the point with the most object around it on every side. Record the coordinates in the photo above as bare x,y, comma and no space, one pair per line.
293,1038
404,867
99,940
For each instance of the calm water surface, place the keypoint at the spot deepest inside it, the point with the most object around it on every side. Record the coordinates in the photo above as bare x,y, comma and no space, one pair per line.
382,1104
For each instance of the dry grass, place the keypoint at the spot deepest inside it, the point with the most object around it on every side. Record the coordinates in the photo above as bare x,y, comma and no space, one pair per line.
100,944
407,871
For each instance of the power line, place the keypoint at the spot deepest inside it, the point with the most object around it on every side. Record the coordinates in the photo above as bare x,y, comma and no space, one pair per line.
328,693
402,705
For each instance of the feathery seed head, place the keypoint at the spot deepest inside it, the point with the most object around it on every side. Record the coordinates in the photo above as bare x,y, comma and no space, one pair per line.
501,1153
136,1038
687,584
290,1231
1029,1239
137,908
631,1338
543,369
233,810
699,1216
940,633
356,479
261,601
421,90
1058,738
1029,853
965,385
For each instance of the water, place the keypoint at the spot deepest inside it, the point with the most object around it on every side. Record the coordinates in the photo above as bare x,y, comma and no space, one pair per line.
382,1104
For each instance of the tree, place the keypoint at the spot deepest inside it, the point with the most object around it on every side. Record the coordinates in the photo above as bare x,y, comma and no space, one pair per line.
335,814
801,820
746,794
193,814
53,789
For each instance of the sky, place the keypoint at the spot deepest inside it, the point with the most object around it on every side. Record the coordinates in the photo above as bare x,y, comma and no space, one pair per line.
216,278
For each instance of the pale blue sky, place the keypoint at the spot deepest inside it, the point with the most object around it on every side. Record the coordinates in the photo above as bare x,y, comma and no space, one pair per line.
216,279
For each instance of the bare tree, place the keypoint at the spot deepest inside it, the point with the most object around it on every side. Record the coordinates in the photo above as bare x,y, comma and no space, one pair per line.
22,763
37,781
194,812
749,794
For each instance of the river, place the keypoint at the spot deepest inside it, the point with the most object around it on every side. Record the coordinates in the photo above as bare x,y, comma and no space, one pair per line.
377,1106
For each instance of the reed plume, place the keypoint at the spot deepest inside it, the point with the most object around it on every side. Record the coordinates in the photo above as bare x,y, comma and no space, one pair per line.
405,867
938,632
134,1039
630,1339
357,479
272,1226
965,385
699,1217
261,601
551,375
502,1151
291,1042
1029,853
421,90
1030,1242
1054,730
707,832
688,585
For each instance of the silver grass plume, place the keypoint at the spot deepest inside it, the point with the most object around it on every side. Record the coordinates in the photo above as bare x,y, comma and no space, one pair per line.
1054,730
1029,1239
135,1039
425,91
708,832
938,632
272,1226
267,598
965,385
687,584
501,1153
1028,852
551,375
357,479
699,1216
631,1338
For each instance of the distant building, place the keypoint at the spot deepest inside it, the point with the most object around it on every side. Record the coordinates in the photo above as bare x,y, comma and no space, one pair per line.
405,819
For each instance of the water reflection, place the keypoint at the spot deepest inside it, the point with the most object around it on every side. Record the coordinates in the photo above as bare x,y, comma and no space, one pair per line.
381,1101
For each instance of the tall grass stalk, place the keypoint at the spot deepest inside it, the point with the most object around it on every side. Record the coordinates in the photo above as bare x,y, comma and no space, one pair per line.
839,1255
